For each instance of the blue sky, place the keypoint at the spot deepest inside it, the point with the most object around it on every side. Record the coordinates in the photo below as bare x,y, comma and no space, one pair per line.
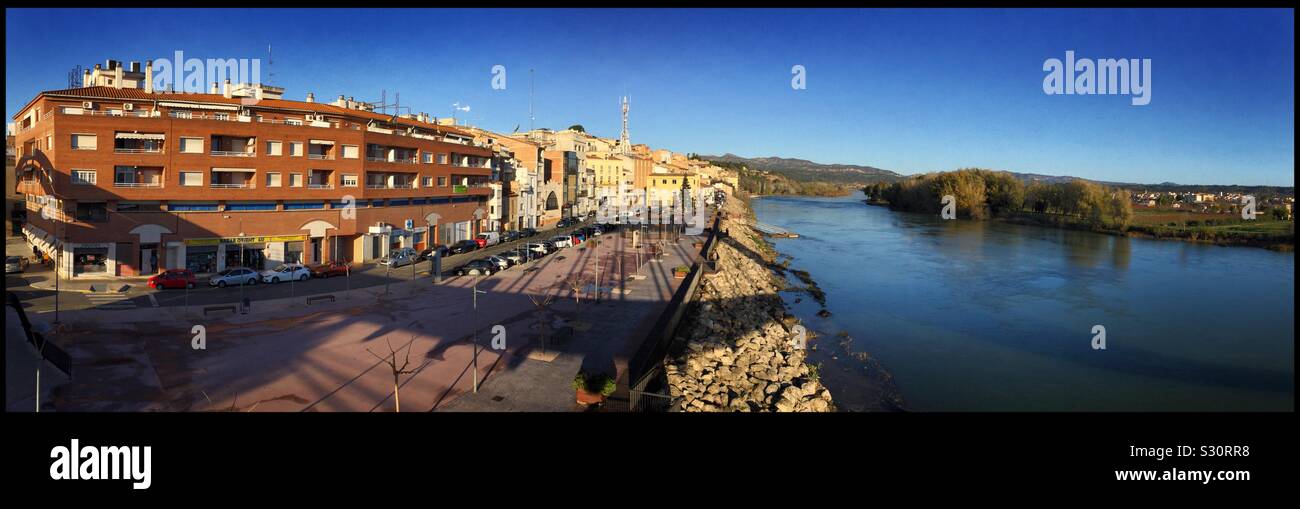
905,90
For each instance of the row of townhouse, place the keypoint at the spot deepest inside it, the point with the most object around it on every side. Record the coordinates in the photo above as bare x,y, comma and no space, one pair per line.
126,180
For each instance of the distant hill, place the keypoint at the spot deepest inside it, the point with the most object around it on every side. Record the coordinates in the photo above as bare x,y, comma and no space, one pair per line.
802,170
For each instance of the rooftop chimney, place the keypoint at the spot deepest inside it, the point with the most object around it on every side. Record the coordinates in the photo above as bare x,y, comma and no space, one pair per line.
85,77
216,88
148,77
311,98
135,66
117,77
225,89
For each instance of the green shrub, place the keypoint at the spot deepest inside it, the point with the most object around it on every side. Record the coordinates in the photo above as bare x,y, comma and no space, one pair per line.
600,383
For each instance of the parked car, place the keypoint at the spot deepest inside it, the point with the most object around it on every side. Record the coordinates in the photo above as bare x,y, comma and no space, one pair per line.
564,223
550,246
331,269
399,257
233,276
527,232
510,236
501,261
539,248
427,254
477,267
516,257
286,272
173,278
578,237
486,239
562,241
463,246
13,264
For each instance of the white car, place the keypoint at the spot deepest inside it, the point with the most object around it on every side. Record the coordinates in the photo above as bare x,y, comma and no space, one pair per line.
500,261
538,248
562,241
13,264
286,272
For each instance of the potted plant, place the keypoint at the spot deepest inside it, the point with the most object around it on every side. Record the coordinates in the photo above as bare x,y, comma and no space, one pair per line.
680,271
593,389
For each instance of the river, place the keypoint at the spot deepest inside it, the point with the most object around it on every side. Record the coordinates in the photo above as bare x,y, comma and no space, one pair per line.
989,316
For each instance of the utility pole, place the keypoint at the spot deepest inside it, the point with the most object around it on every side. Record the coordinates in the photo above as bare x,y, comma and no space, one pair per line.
476,291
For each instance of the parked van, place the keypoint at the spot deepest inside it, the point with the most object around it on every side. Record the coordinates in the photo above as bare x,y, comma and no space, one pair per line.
486,239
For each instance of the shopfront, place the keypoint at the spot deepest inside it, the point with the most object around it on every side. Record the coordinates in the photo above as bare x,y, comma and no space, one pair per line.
201,259
252,252
90,259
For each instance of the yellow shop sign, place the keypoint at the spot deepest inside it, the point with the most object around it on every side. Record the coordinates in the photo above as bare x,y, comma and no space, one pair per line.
245,240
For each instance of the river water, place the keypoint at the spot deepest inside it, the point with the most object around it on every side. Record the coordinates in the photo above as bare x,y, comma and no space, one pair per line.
988,316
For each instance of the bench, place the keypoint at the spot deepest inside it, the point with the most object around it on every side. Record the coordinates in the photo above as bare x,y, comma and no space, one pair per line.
319,297
227,307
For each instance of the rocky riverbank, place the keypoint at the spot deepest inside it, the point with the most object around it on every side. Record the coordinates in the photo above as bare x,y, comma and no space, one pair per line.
742,351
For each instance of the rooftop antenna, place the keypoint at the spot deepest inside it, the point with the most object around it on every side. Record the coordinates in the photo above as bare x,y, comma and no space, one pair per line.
75,76
382,104
625,139
270,74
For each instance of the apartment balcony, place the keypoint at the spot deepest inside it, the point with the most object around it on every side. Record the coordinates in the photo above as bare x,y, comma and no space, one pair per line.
320,186
233,146
232,178
244,185
320,157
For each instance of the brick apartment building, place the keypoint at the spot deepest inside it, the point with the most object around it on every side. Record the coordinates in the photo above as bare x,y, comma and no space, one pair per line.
129,181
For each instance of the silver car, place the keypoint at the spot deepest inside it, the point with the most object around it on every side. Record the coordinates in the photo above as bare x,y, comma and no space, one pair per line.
13,264
500,261
235,276
399,257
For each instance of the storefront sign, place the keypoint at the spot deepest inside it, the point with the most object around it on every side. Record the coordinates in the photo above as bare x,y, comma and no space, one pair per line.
244,240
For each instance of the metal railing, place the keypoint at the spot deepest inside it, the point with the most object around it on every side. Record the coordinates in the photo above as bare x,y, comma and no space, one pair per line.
320,186
137,150
320,157
231,186
137,184
232,153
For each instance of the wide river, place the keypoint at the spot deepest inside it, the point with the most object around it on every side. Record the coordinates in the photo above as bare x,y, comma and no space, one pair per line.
988,316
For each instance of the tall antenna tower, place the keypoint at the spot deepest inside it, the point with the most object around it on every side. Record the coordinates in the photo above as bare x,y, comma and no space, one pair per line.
530,100
625,139
270,74
75,77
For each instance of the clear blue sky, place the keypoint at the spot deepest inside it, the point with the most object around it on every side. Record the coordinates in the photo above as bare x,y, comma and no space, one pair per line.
906,90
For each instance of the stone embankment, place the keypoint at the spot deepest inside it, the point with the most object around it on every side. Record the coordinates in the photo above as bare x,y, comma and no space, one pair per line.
743,352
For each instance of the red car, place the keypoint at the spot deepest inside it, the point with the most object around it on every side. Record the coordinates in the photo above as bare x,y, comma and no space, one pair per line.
173,278
331,269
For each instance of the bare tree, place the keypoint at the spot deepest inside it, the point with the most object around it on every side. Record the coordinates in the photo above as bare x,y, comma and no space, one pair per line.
391,361
542,310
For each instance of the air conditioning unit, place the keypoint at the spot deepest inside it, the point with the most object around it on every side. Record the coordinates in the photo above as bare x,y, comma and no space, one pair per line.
87,104
128,106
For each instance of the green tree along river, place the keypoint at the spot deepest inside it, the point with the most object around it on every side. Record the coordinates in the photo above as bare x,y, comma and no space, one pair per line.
991,316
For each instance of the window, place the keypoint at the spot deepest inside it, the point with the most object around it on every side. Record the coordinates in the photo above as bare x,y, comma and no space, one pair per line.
273,179
442,158
442,181
304,205
295,180
138,206
192,207
349,180
427,182
83,177
191,178
350,152
84,142
192,145
273,148
92,212
242,206
295,148
428,158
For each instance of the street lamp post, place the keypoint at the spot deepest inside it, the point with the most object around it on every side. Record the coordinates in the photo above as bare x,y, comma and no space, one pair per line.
476,291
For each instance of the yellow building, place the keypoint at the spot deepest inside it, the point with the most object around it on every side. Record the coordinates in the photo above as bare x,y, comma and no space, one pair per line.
672,181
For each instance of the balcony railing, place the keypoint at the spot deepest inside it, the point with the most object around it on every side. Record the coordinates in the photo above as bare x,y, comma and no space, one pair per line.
377,186
408,185
320,186
377,159
231,186
137,150
137,184
233,153
320,157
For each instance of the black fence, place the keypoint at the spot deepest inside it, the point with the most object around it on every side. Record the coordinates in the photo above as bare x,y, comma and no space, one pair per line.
48,350
645,374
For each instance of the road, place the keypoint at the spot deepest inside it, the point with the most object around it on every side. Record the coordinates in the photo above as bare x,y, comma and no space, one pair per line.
41,300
